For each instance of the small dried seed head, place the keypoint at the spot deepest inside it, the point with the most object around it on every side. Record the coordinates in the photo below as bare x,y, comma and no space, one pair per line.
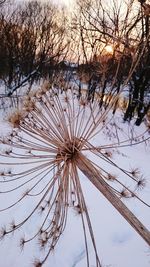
8,151
22,243
37,263
111,177
108,154
135,172
125,193
45,87
42,242
3,232
15,118
29,105
141,183
41,209
66,99
83,102
2,173
9,172
78,209
12,226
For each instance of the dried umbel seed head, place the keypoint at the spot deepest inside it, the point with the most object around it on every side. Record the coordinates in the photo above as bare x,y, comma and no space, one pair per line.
12,226
16,118
29,105
83,101
111,177
66,99
42,242
53,144
69,149
141,183
135,172
22,243
8,151
39,94
37,263
3,232
9,172
125,193
108,153
41,209
45,87
2,173
79,209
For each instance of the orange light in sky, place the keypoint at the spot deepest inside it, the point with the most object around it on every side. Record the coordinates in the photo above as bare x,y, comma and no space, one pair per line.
109,49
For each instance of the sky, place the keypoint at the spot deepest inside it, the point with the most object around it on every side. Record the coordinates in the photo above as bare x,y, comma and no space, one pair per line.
67,3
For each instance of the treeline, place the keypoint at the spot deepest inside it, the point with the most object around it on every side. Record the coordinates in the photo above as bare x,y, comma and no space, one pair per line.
109,43
32,42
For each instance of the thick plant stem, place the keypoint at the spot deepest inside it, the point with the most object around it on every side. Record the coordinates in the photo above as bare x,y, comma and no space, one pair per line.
95,177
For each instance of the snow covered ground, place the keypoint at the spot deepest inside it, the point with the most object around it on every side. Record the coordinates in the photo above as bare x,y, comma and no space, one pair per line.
118,244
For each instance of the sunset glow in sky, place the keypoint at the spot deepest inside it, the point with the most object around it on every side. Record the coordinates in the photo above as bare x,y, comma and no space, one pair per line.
68,3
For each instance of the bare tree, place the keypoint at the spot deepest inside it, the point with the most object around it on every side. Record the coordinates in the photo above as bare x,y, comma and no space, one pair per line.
32,43
2,2
122,26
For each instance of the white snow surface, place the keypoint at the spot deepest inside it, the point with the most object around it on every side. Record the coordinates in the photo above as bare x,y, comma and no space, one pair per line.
118,244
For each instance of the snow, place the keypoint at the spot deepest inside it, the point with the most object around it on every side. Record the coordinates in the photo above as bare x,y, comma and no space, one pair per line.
118,244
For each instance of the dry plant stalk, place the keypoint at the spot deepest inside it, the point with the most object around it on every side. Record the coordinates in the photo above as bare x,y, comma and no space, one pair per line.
95,177
50,135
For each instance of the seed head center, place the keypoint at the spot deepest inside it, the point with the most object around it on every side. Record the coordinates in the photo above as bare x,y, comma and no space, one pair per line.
69,149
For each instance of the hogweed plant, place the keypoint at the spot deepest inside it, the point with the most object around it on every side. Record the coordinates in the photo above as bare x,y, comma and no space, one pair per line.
53,139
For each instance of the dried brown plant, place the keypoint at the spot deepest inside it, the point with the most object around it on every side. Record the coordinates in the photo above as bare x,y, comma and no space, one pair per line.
49,141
